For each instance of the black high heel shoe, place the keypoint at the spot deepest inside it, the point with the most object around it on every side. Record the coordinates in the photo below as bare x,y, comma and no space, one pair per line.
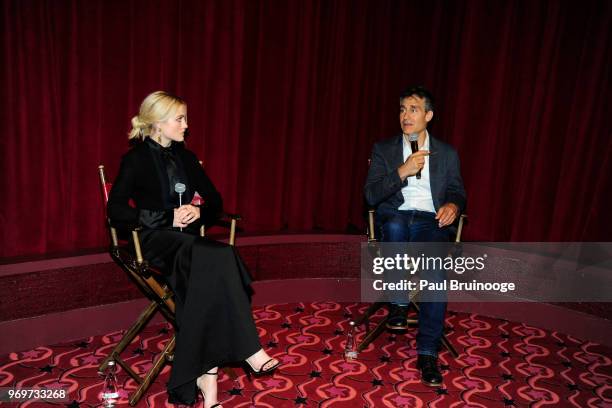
218,404
261,370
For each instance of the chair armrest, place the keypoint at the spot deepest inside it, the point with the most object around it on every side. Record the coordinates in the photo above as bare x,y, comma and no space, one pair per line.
460,224
371,232
226,220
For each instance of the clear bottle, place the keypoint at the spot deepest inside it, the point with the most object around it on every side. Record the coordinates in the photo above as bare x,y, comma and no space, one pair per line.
110,391
350,348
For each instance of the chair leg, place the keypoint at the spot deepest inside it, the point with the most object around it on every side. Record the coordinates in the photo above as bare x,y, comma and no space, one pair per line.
366,316
133,331
153,372
126,367
372,335
449,346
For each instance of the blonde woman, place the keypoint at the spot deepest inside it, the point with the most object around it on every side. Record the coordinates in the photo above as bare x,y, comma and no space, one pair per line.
210,282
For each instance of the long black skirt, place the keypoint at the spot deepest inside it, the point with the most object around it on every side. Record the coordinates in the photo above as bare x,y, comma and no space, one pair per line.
213,312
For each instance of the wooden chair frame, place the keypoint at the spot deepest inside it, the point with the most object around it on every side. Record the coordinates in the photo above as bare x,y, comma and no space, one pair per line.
372,334
152,286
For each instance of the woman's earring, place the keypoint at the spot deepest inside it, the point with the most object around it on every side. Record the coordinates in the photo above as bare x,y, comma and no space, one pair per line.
158,137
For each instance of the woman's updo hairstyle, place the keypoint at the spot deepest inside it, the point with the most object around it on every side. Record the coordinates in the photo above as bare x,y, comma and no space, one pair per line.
158,106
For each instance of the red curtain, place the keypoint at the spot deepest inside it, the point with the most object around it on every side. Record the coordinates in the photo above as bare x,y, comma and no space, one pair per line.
286,99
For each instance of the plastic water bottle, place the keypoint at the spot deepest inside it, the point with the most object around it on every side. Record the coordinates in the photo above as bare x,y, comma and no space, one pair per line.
350,349
110,394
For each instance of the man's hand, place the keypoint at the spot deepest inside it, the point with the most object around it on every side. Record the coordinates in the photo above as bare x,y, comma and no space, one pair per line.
412,165
447,214
185,215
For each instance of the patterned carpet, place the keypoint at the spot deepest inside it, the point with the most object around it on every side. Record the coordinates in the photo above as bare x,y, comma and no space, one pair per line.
502,364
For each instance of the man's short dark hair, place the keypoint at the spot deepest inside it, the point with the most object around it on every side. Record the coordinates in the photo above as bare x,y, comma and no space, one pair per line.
422,93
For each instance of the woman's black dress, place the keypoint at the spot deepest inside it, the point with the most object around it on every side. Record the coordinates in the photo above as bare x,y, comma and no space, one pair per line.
209,280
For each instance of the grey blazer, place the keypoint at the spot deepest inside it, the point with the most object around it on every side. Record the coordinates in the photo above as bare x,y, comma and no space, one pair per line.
383,184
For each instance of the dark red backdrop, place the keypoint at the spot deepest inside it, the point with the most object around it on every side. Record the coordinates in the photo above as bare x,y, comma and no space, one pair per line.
287,97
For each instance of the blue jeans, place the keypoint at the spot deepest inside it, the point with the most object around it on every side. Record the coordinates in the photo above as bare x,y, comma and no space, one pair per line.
419,226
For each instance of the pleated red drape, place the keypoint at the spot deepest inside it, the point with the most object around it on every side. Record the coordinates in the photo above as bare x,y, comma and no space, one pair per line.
287,97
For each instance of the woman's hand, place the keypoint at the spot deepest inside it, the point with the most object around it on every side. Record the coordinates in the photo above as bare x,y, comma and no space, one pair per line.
185,215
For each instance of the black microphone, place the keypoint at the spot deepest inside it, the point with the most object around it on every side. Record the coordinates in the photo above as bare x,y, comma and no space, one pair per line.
413,138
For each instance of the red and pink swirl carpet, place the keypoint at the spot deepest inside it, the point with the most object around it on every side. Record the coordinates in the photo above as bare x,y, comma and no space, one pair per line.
501,364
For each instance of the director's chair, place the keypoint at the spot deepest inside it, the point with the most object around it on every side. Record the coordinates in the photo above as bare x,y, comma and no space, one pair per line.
150,282
372,333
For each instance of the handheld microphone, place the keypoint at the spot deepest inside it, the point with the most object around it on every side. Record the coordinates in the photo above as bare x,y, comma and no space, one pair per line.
413,138
180,189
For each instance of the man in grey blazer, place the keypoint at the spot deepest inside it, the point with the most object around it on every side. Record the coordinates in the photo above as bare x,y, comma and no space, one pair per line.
417,197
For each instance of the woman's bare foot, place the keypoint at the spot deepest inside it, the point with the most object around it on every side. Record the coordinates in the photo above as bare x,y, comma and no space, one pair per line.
261,362
207,383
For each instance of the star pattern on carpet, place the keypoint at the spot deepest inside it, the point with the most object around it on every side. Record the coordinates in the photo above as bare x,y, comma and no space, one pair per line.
317,369
573,387
289,359
138,351
408,375
273,382
235,391
469,383
473,360
30,354
505,336
91,359
163,330
334,391
303,338
56,384
561,344
403,401
537,395
346,366
286,325
299,309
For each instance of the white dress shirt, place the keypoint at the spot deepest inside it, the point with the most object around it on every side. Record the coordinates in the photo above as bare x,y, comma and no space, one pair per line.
417,193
